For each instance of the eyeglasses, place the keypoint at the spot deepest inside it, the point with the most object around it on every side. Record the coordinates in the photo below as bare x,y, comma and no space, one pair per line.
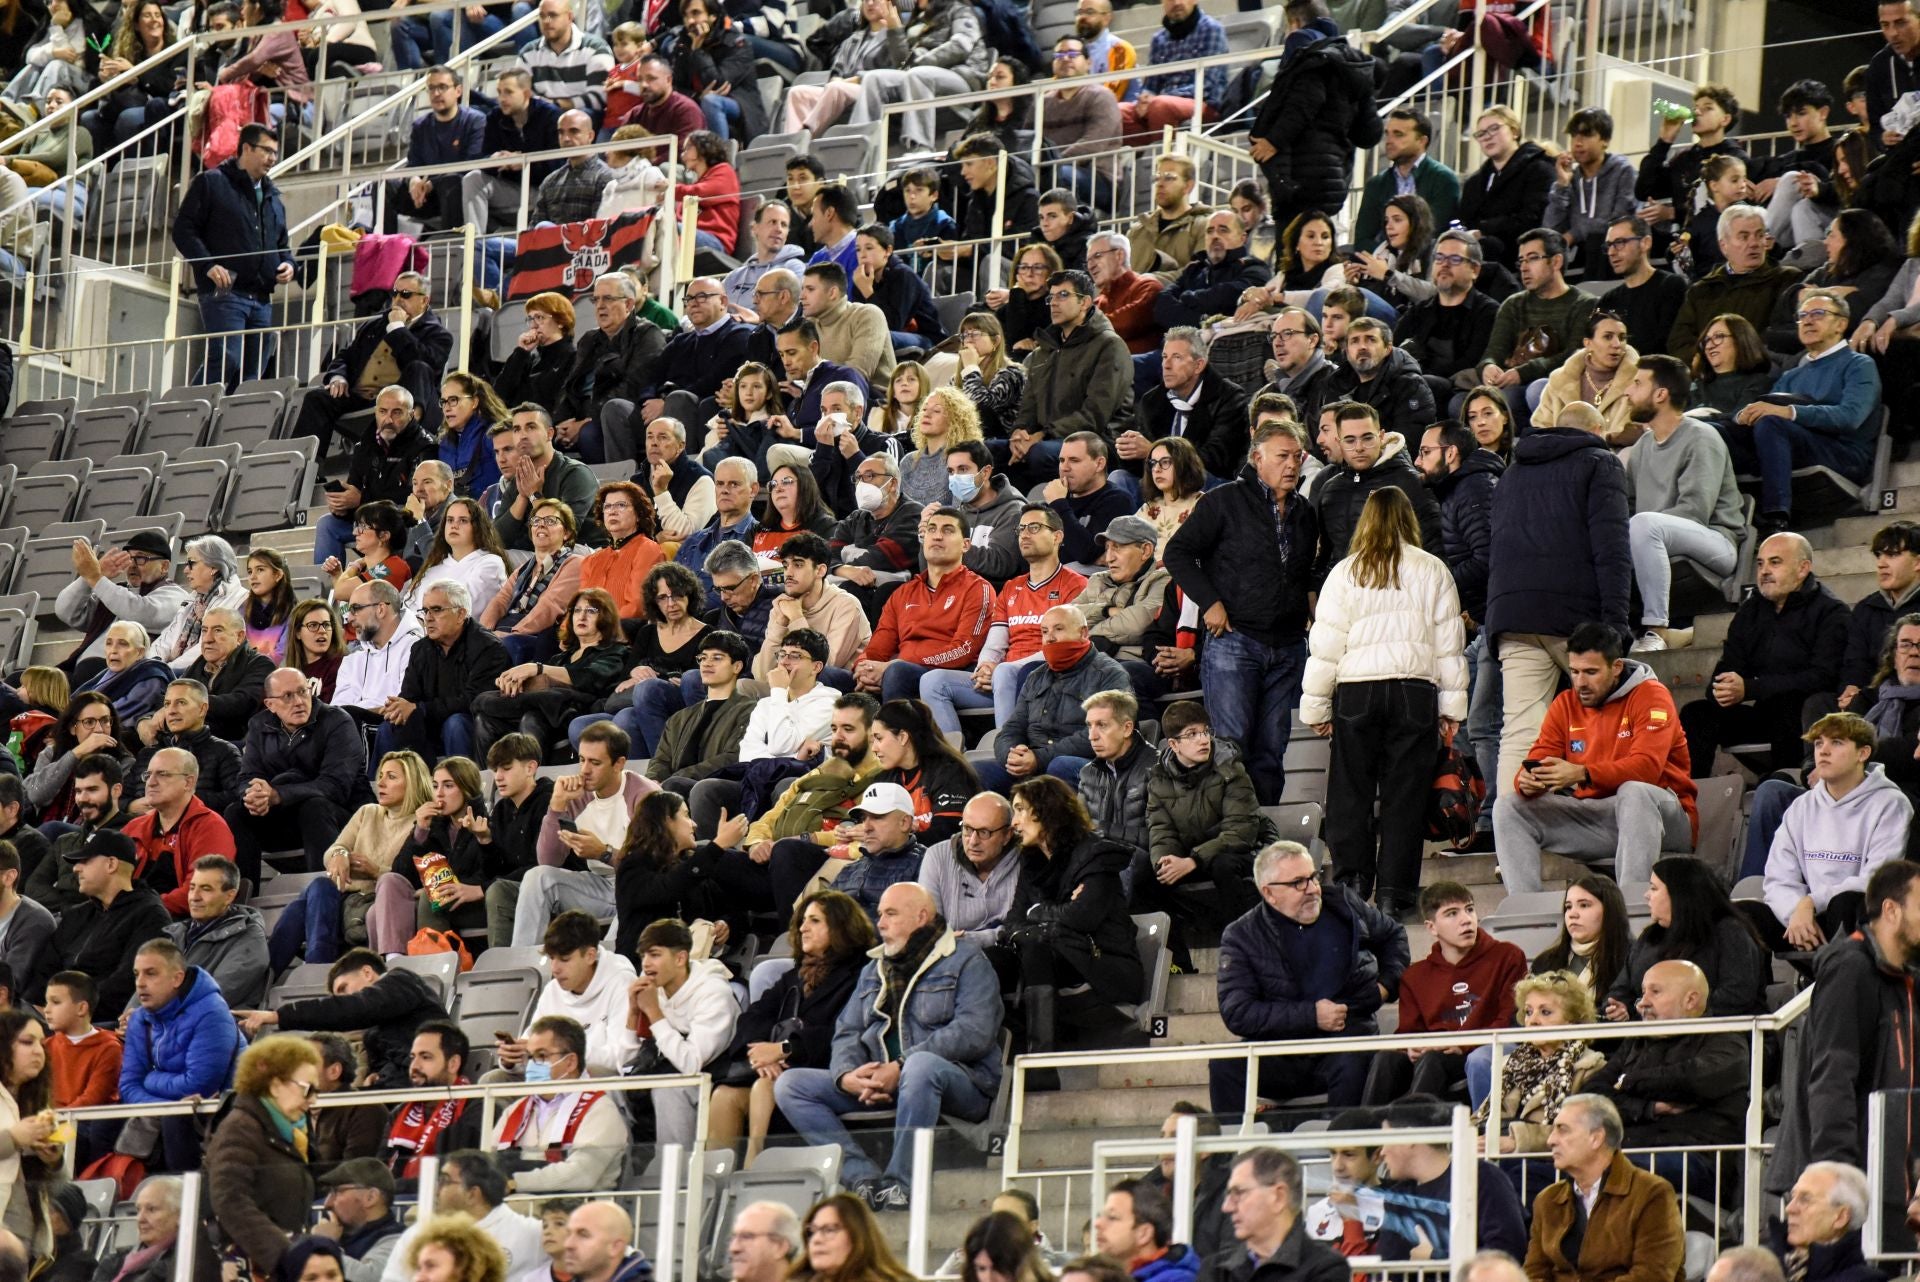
970,833
1713,340
875,476
98,723
1487,133
1032,527
664,597
140,560
1528,260
191,563
1298,885
165,774
1068,55
1288,335
1907,647
728,589
293,696
448,402
436,610
1064,296
1449,260
307,1089
1621,242
1158,463
407,293
794,656
546,520
1814,313
316,625
1198,734
1025,268
784,483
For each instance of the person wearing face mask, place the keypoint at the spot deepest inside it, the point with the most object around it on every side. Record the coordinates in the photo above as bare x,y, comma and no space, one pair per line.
584,1128
879,542
1046,732
993,508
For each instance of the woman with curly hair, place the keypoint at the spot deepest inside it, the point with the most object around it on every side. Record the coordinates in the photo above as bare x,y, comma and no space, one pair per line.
539,699
542,355
1538,1076
791,1024
624,511
269,607
142,32
1172,484
466,549
947,418
87,726
469,408
260,1186
452,1248
315,644
845,1244
664,646
992,379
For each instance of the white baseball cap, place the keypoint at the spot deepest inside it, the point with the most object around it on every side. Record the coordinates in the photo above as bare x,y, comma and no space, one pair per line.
885,799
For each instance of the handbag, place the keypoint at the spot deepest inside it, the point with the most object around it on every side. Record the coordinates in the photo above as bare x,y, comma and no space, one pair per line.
739,1070
1454,801
430,940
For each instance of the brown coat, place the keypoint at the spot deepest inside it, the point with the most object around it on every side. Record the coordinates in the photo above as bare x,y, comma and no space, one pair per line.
260,1188
1633,1235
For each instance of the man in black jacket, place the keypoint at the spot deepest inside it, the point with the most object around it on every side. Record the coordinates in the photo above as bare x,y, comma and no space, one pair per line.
1558,558
233,673
390,1005
1245,559
181,722
454,662
1213,280
1305,962
407,344
1300,138
381,469
979,158
304,765
1374,460
1448,332
697,359
1301,371
1271,1236
615,366
1462,476
1192,400
232,230
1388,380
1785,643
114,917
1894,70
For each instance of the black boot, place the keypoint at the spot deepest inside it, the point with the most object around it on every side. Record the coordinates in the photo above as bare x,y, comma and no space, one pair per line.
1036,1006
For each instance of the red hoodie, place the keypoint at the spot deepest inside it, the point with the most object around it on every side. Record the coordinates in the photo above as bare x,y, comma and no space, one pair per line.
1436,995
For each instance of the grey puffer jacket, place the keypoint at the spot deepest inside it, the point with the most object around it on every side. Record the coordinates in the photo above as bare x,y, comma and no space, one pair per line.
1048,717
946,35
1116,795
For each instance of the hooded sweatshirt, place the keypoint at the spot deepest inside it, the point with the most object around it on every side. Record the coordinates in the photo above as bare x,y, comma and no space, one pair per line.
696,1023
1826,847
1475,992
1634,736
600,1008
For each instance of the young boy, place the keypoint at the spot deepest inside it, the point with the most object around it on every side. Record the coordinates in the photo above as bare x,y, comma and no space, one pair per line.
85,1059
1797,186
924,220
554,1213
1340,308
1465,983
1667,176
1350,1216
623,82
1591,188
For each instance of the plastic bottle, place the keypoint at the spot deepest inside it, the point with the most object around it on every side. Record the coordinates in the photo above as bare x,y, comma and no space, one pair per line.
1667,110
16,745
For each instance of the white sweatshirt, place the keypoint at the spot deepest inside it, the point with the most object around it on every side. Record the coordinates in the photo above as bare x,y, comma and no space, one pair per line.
601,1009
1825,847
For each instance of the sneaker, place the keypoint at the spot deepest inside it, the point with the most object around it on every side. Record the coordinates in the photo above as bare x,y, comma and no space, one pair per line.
864,1189
887,1194
1649,641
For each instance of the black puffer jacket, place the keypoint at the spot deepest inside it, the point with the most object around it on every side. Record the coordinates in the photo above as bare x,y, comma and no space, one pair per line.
1559,549
1339,501
1077,904
622,367
1306,116
1399,394
1116,794
219,761
1072,245
1466,526
1261,994
325,758
1228,550
1207,288
726,58
1501,204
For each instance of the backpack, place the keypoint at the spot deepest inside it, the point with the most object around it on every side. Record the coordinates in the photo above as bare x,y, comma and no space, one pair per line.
1453,805
429,940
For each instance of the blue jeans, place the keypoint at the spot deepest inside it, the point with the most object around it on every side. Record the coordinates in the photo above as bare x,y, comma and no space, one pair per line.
707,240
454,738
994,776
900,338
1252,689
1092,188
722,113
1775,445
1485,715
773,51
653,702
242,354
413,43
313,926
471,33
813,1102
332,535
947,690
1770,802
1479,1074
901,680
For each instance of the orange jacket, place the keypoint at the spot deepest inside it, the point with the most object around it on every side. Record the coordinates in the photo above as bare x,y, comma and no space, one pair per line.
1634,737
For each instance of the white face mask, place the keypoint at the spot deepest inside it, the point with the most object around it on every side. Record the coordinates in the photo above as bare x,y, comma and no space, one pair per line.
869,496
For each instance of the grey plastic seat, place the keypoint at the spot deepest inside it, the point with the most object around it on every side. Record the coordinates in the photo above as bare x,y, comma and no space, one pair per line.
26,439
11,541
175,426
37,501
118,495
100,432
46,566
266,492
248,419
167,527
438,969
18,629
194,488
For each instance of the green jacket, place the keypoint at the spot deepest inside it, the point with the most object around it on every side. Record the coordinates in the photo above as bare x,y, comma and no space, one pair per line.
1751,294
1566,316
1204,810
813,799
693,745
1433,182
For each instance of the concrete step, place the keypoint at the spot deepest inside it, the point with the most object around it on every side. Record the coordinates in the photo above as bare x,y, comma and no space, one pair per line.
1193,994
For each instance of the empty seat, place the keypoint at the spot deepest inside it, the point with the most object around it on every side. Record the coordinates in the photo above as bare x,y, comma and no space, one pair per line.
192,487
78,468
268,492
248,419
504,996
438,969
952,307
11,541
26,439
36,501
176,426
17,629
100,432
119,494
508,324
46,566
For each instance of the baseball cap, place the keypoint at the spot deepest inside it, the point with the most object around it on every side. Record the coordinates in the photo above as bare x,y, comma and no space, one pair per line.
885,799
367,1172
117,845
149,543
1129,529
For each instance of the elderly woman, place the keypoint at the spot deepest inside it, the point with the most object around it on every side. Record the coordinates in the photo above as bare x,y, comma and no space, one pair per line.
542,354
260,1188
156,1222
1538,1076
214,582
539,699
133,680
524,613
336,910
623,510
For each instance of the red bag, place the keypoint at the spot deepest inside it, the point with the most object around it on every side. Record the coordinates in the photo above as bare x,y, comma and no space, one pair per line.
124,1170
229,108
428,940
379,257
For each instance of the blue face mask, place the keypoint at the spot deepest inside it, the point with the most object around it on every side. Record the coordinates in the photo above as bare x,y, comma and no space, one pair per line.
964,488
539,1071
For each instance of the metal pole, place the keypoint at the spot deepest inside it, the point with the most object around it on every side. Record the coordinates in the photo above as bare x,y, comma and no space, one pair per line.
1876,1175
918,1206
999,220
26,318
1756,1132
1016,1117
468,240
186,1253
694,1197
429,1184
664,1247
170,333
1464,1187
1186,1130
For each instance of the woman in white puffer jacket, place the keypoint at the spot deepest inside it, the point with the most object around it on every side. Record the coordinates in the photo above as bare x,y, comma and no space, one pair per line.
1386,673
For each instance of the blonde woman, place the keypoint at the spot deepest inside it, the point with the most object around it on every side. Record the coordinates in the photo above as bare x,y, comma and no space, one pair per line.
946,419
1507,196
1386,664
992,379
1538,1076
335,911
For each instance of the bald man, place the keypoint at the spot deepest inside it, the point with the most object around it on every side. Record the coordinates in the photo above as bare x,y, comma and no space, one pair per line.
1678,1090
699,357
940,1055
1047,731
599,1246
1785,643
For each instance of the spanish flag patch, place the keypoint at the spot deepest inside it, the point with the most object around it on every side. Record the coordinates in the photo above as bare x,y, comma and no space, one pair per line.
1657,716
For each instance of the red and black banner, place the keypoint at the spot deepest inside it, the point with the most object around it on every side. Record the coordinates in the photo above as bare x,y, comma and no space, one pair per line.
566,257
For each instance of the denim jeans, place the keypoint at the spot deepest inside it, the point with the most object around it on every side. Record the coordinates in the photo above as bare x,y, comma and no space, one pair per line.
313,926
412,41
1479,1075
1342,1077
471,33
241,354
1770,802
813,1102
332,535
774,51
1252,689
1656,539
653,702
722,113
994,776
455,736
947,690
1483,721
1775,445
901,680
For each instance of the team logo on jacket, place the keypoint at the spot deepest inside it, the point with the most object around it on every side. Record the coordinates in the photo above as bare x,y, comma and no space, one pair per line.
1577,745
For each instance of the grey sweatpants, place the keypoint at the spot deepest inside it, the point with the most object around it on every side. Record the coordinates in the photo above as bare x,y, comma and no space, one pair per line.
1631,828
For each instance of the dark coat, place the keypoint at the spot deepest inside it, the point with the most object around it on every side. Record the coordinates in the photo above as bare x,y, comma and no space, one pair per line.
260,1189
623,367
1398,392
426,344
219,760
726,58
697,363
1505,203
1083,382
1048,718
384,469
1072,245
1841,1260
812,1045
1307,115
391,1010
1559,550
1216,426
1228,551
1466,526
536,376
236,692
1707,1074
1297,1260
1116,794
1867,629
1262,998
1198,812
680,753
1312,393
222,223
1206,288
102,942
1076,904
1465,350
1794,650
443,683
540,133
903,297
326,757
1735,965
1339,500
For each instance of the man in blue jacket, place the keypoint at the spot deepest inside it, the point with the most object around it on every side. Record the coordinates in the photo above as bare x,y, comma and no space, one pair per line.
920,1035
232,230
1308,961
448,132
1824,412
181,1041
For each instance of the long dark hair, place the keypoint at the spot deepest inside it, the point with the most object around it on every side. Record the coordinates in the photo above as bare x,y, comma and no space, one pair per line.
1415,258
1009,1244
1063,817
35,1094
1700,904
849,934
278,607
1020,114
647,836
914,719
1609,956
1864,242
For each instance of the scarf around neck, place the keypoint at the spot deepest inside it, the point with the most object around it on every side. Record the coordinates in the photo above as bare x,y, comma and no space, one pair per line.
1884,716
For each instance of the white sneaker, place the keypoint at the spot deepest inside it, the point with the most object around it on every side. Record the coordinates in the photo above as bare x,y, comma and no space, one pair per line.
1649,641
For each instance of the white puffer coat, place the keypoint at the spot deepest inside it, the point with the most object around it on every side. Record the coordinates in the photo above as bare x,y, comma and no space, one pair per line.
1409,632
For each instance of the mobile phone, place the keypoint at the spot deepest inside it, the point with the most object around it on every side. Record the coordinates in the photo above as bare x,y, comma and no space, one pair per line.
1531,763
568,825
333,487
501,1035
